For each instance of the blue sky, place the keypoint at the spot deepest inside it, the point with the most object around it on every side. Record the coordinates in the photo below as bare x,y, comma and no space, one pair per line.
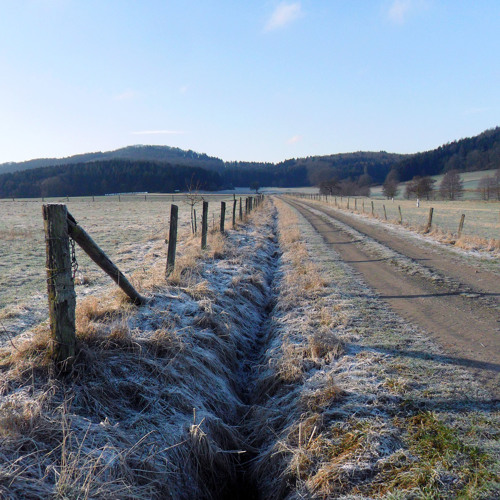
262,80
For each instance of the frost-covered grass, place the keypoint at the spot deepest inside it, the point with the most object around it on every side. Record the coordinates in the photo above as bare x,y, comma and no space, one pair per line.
153,405
382,413
263,365
131,232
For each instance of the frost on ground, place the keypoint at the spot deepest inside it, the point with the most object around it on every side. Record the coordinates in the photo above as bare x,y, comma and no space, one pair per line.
262,366
154,404
374,408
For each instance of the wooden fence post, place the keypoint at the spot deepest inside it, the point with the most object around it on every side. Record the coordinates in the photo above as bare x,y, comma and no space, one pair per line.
172,239
400,215
204,225
60,286
195,221
385,213
234,212
373,210
461,225
241,209
355,204
222,215
363,204
429,220
347,203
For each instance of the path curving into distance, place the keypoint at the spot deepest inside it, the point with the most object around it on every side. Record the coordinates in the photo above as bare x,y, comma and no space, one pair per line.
460,311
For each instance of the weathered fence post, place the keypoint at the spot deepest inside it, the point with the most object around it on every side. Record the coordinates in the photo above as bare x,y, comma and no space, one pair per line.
241,209
429,220
172,239
355,204
461,225
400,215
373,210
195,221
385,213
363,203
204,225
347,203
60,286
234,212
222,215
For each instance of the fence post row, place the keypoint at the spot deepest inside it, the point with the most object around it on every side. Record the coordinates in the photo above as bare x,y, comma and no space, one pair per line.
204,225
60,286
172,239
222,215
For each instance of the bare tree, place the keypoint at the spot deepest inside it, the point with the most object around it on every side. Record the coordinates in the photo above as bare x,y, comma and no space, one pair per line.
486,186
451,186
420,187
193,197
390,187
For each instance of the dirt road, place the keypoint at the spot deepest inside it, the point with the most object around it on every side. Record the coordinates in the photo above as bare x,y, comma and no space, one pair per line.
457,303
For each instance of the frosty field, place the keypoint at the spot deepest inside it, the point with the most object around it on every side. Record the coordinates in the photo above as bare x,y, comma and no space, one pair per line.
126,230
482,218
263,368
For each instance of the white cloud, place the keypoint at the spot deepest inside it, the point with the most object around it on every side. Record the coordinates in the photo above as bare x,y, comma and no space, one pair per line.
284,14
399,9
158,132
126,95
294,139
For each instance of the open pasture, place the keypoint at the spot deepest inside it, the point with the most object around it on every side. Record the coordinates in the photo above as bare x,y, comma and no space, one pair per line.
482,218
126,228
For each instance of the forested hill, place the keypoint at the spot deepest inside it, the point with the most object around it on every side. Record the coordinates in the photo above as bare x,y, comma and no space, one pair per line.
102,177
481,152
167,154
162,168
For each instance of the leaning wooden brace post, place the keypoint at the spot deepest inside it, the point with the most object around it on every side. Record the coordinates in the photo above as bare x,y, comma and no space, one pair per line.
234,212
102,260
60,286
461,225
204,225
222,215
429,220
172,239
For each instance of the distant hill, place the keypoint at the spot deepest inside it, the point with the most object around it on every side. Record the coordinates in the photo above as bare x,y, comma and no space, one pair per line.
135,166
102,177
165,154
481,152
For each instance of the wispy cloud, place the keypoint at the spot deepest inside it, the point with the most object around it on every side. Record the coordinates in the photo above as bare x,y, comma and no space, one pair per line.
158,132
284,13
126,95
294,139
399,10
476,110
